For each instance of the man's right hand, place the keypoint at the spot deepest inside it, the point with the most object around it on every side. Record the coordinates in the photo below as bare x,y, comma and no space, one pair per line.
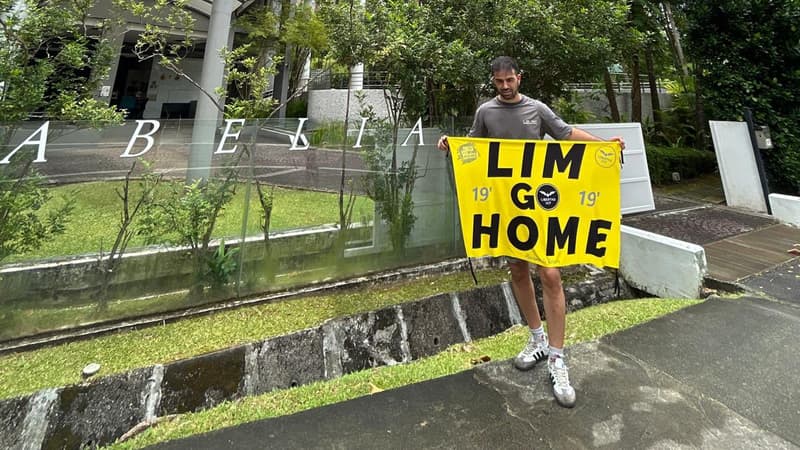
443,145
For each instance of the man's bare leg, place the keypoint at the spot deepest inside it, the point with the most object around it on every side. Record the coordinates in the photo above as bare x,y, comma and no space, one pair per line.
522,286
555,311
537,347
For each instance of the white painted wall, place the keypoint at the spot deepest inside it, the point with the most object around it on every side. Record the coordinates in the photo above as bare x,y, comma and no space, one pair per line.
596,102
164,88
785,208
737,166
660,265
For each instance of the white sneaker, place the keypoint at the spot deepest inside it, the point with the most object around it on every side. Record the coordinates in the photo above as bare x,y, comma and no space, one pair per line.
562,390
535,350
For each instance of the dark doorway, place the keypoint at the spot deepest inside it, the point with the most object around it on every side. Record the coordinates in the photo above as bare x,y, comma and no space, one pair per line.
131,84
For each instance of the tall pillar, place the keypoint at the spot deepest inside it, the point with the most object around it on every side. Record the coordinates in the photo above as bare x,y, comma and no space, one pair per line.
286,76
357,71
306,77
212,75
357,77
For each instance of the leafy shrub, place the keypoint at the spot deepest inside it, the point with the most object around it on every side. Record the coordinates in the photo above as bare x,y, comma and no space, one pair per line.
297,107
571,110
746,55
328,134
221,266
689,162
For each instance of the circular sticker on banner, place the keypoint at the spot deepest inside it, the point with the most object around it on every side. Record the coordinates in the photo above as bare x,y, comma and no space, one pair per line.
605,157
547,196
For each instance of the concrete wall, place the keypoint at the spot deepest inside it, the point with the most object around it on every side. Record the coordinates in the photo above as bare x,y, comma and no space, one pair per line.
660,265
596,102
97,412
326,105
158,270
785,208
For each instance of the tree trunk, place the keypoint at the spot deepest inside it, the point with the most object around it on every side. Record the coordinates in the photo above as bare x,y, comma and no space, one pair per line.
651,80
699,110
675,41
636,91
611,94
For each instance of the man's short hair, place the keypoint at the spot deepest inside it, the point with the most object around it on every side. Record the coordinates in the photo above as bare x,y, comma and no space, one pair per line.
504,63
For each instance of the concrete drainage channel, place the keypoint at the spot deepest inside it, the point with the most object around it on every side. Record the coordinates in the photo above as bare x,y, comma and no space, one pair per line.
101,410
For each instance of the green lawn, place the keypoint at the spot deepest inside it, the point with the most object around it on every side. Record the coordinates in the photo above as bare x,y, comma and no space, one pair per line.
94,222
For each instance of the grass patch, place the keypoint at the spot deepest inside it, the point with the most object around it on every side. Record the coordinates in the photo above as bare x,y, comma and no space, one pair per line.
18,322
584,325
94,222
60,365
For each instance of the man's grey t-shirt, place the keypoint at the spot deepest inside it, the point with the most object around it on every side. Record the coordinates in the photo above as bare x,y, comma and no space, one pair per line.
527,119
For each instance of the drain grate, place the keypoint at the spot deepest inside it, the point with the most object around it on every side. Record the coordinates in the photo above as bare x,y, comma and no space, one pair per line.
700,225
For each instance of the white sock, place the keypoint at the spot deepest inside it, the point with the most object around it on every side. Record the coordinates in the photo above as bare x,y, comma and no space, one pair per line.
538,333
556,352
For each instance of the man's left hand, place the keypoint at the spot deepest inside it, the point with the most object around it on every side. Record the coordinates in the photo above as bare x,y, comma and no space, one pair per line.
620,140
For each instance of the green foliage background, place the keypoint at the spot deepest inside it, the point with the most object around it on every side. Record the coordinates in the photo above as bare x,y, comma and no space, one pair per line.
747,56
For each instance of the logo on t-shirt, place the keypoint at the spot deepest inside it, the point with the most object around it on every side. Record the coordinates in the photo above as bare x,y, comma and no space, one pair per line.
533,122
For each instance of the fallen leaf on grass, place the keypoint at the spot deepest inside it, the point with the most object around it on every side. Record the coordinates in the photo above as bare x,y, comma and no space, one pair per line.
480,360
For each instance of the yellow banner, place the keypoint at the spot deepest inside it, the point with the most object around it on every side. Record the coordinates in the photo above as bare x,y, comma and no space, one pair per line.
553,203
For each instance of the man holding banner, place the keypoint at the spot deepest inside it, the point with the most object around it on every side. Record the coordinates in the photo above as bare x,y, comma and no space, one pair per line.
542,202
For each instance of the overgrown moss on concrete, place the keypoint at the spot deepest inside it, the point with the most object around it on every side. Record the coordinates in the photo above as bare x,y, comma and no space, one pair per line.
584,325
60,365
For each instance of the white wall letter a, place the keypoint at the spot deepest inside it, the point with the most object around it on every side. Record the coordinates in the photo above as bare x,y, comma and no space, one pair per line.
418,124
42,144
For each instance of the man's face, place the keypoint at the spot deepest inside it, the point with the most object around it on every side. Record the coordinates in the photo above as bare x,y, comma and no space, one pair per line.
507,84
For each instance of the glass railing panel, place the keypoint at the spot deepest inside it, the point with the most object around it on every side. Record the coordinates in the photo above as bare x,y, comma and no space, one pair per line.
147,217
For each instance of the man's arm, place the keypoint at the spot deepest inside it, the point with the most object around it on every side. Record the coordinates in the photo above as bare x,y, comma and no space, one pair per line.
582,135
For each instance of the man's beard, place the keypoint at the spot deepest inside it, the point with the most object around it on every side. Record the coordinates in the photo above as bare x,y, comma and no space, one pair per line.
509,94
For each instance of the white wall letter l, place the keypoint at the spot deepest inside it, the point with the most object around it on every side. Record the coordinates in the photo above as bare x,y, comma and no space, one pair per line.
227,134
42,144
300,137
148,137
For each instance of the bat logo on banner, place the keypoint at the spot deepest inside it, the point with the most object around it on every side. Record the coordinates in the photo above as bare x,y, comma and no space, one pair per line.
547,196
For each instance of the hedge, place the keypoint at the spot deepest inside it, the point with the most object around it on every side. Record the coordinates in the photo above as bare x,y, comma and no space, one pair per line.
688,162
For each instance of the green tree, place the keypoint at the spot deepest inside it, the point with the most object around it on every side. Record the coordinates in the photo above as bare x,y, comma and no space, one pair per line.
25,221
51,61
187,216
133,202
556,42
349,44
283,28
745,52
